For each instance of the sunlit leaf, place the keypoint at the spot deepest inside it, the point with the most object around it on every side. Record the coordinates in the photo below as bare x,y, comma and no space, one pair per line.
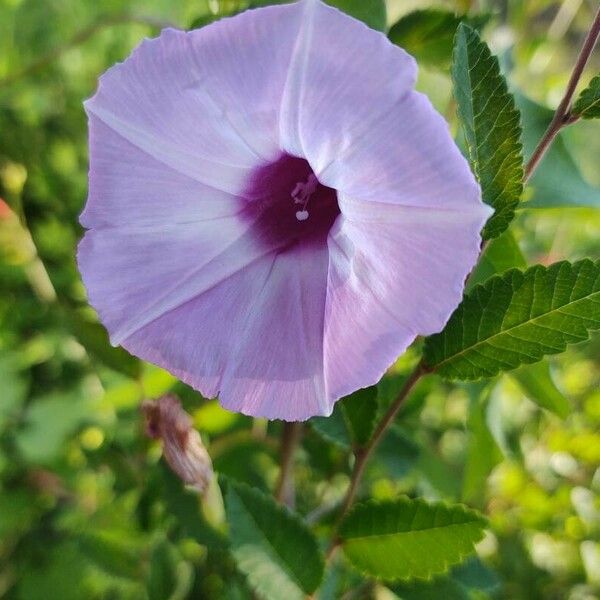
406,539
491,126
271,545
517,318
588,103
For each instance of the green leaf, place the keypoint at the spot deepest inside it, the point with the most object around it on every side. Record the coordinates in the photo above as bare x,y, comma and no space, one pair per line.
428,34
405,539
588,103
94,339
169,577
333,428
538,385
360,410
501,254
371,12
557,182
271,545
490,121
483,453
14,388
49,422
517,318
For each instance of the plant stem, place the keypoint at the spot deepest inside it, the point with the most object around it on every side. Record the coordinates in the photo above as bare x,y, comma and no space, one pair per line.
290,436
563,115
363,454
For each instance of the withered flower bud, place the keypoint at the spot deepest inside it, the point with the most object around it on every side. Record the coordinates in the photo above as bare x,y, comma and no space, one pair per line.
182,447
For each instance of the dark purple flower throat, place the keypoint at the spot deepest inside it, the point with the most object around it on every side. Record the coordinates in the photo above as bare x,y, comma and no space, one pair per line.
288,205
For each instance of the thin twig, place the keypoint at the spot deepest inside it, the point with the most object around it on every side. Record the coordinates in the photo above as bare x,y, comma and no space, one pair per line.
290,437
362,455
563,115
79,38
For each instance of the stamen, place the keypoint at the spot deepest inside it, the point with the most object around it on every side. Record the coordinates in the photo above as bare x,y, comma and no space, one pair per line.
301,195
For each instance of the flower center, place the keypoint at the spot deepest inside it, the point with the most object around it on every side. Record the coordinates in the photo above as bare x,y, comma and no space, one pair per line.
288,205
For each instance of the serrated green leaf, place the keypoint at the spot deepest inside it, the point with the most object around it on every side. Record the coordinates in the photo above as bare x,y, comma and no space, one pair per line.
271,545
406,539
360,410
517,318
490,121
588,103
539,387
371,12
428,34
557,182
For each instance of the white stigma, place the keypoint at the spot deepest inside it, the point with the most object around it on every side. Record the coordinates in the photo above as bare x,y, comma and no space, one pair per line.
301,195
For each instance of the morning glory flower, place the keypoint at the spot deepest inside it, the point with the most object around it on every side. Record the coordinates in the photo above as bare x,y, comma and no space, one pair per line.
274,214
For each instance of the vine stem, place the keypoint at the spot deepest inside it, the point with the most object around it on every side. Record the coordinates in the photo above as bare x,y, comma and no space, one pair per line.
290,437
563,115
362,455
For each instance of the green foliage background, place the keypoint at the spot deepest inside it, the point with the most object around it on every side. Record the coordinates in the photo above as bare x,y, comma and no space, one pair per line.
88,509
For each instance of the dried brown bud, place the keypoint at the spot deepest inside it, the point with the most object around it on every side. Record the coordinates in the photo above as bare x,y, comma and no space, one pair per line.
182,447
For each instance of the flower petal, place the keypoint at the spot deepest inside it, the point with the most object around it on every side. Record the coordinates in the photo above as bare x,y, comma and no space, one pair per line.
342,78
135,275
408,157
185,98
394,273
128,188
255,338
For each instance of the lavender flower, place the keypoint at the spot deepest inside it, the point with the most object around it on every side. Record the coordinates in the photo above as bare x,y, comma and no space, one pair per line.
274,213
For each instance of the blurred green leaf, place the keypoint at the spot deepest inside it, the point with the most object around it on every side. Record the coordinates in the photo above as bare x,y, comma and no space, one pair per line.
48,423
517,318
184,505
360,410
407,539
169,578
114,551
371,12
588,103
428,34
501,254
94,339
483,454
538,385
13,390
271,545
490,121
557,182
